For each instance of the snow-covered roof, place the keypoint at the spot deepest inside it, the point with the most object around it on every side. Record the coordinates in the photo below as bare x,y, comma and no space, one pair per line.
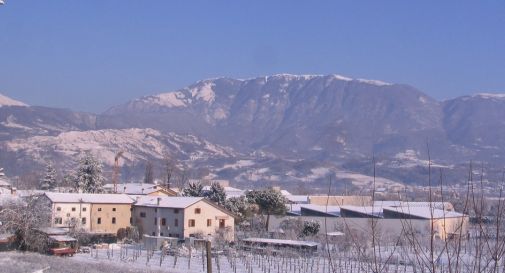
53,231
280,242
229,191
233,192
135,188
285,192
294,209
330,210
366,210
8,198
425,212
62,238
167,201
98,198
436,205
301,199
335,233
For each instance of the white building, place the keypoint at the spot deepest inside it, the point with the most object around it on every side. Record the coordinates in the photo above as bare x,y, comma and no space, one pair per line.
391,217
182,217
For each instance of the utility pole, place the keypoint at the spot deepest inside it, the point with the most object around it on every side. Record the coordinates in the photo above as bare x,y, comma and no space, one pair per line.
209,256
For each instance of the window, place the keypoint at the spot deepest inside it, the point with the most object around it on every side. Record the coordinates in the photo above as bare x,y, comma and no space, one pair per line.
153,233
113,220
113,209
143,215
73,209
68,214
198,211
161,234
58,220
155,220
163,221
155,209
176,211
222,223
191,223
176,222
58,208
83,220
131,221
83,209
99,209
209,222
99,221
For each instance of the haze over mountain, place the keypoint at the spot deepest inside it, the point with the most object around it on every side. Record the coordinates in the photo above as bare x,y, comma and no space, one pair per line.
281,128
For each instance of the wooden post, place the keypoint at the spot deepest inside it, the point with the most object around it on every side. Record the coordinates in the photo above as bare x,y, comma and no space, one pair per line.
209,256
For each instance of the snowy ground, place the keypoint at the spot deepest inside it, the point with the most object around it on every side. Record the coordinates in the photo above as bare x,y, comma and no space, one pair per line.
26,262
233,261
130,258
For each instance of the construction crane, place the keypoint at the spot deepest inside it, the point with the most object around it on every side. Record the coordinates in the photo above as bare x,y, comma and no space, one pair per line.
115,173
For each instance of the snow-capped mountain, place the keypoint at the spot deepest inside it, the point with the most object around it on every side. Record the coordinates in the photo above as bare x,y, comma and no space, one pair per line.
478,124
20,122
280,128
291,114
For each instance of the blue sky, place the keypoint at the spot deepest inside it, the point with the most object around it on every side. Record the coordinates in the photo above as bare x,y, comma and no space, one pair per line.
89,55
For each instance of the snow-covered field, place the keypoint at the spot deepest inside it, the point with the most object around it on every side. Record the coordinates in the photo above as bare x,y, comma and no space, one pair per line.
131,258
27,262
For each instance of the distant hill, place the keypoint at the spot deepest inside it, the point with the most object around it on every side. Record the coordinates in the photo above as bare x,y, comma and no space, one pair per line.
280,128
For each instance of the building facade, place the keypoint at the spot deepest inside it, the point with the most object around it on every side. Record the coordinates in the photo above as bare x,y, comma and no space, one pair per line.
182,217
91,213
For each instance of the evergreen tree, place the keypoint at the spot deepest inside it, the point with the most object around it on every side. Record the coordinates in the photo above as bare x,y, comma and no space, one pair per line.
310,228
48,182
239,206
88,177
194,189
216,194
68,180
268,202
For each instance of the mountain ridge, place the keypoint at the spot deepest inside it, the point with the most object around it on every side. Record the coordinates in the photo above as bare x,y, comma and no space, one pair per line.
288,127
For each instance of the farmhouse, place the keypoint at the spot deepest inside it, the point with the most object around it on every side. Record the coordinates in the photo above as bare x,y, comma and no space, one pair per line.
182,217
92,213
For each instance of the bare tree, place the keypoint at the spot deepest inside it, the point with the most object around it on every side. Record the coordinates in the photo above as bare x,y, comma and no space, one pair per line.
149,173
168,168
24,218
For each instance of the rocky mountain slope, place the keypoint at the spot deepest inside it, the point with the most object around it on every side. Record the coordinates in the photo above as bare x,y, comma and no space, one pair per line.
280,128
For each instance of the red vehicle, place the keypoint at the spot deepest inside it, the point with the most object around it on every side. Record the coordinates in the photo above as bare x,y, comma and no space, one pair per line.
62,245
